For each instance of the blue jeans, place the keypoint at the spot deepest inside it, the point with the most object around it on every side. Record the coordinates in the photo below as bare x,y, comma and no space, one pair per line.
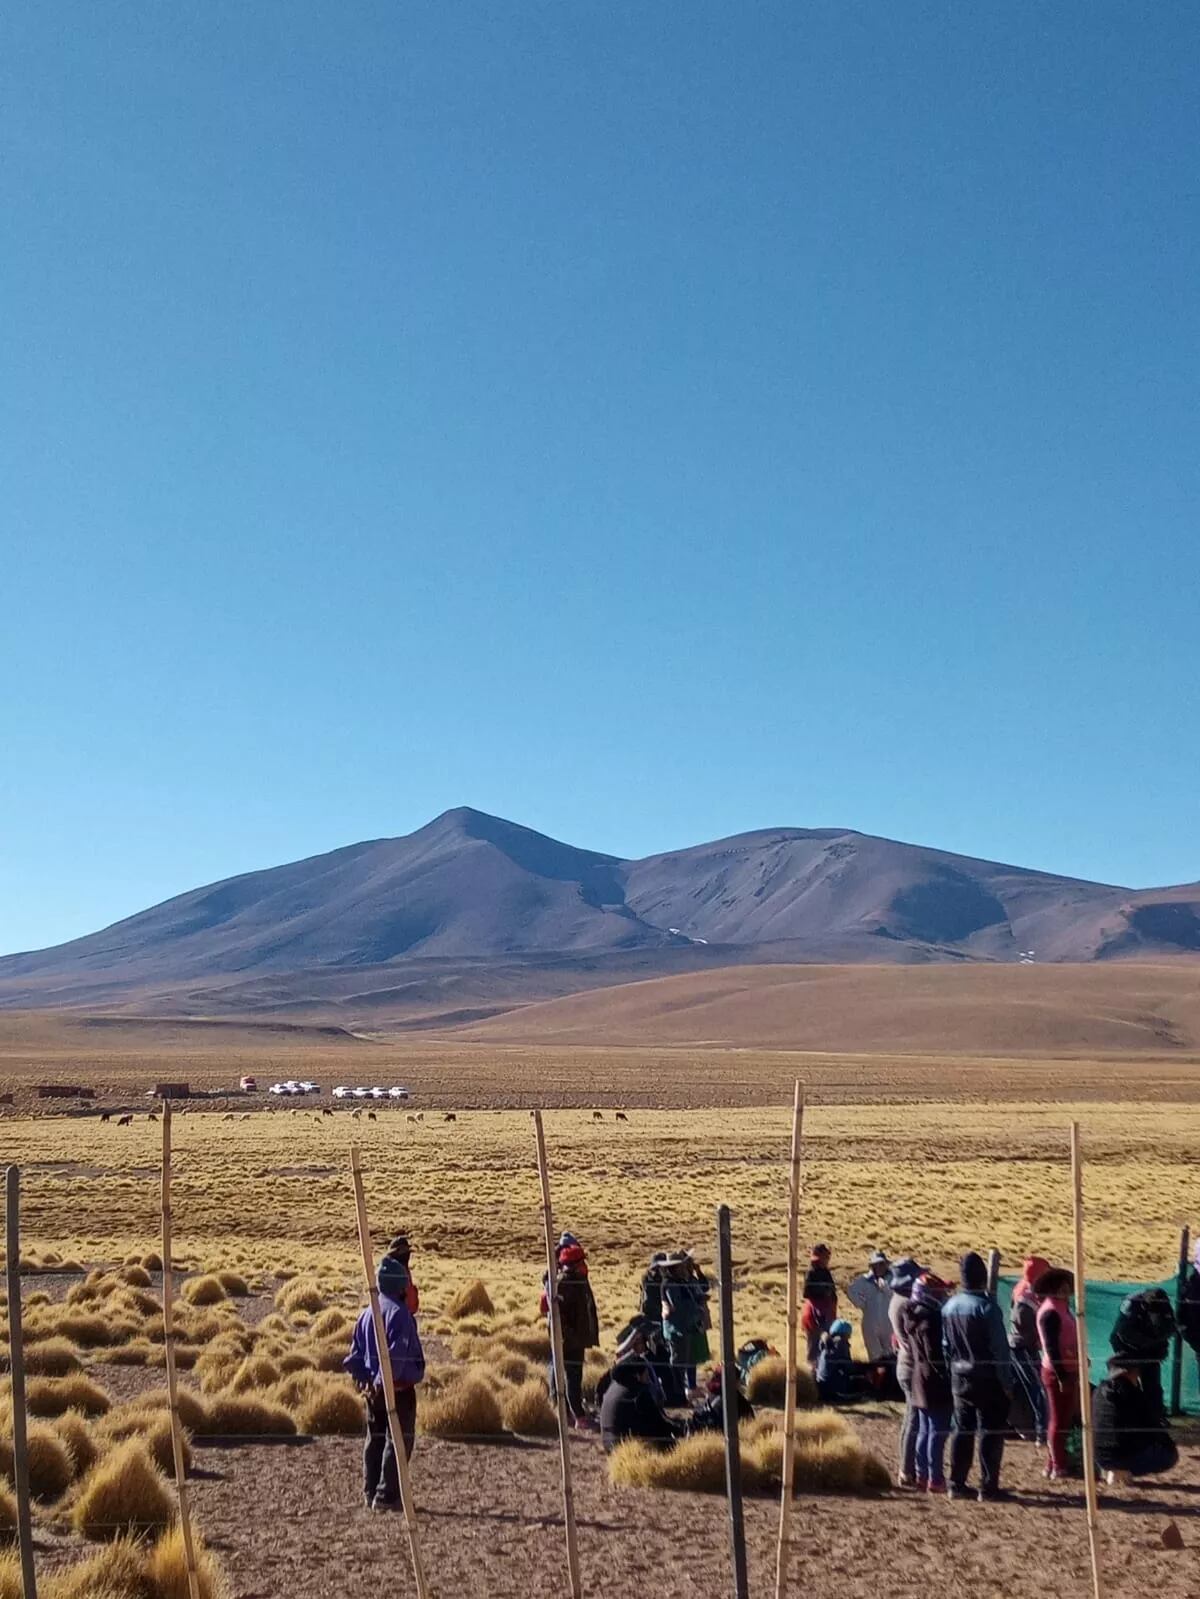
933,1428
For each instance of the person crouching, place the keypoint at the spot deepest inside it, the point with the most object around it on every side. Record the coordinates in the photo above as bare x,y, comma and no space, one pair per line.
381,1473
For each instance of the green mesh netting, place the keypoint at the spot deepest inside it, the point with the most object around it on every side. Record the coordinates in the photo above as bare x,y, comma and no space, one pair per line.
1103,1304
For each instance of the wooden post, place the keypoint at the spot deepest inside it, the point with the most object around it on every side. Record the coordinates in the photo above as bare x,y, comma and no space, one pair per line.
1185,1244
792,1351
185,1514
729,1408
385,1372
993,1271
556,1355
17,1363
1085,1378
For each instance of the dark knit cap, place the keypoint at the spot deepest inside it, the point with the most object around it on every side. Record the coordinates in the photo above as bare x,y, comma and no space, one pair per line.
973,1270
392,1277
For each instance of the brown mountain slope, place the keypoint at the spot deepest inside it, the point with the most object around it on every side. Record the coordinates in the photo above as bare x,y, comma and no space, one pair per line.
969,1009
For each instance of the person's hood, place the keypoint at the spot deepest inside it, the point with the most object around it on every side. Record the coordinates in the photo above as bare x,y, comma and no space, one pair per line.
629,1373
973,1272
1031,1271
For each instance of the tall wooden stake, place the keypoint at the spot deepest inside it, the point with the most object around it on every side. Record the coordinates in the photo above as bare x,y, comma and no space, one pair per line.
1085,1379
793,1323
17,1363
556,1353
729,1408
385,1372
168,1285
993,1276
1185,1244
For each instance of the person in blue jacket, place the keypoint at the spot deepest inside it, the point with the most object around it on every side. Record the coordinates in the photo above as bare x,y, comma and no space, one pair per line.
381,1474
975,1344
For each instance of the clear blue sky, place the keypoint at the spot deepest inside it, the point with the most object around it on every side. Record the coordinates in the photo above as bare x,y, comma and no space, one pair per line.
644,421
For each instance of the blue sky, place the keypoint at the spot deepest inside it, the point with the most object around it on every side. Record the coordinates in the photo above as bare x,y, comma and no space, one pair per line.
647,422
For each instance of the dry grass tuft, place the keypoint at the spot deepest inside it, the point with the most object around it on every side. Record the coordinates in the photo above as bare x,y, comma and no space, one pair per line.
301,1294
53,1357
74,1431
51,1396
234,1284
331,1323
123,1493
207,1290
137,1353
472,1299
534,1344
465,1409
331,1408
527,1410
166,1567
116,1570
328,1356
193,1412
247,1418
255,1372
768,1380
512,1368
693,1465
8,1513
11,1585
135,1275
152,1261
50,1465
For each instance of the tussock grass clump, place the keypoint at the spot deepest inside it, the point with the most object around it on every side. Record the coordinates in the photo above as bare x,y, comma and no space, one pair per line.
527,1410
74,1431
137,1353
328,1357
331,1323
123,1492
88,1330
768,1380
301,1294
50,1465
166,1567
8,1513
193,1412
234,1284
114,1572
534,1344
11,1585
255,1372
206,1290
53,1396
511,1368
693,1465
54,1357
135,1275
472,1299
294,1361
330,1409
231,1417
466,1409
152,1261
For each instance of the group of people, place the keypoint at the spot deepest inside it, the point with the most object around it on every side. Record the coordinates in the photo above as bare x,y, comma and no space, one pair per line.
971,1378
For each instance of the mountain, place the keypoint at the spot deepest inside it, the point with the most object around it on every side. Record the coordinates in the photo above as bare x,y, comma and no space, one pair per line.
471,915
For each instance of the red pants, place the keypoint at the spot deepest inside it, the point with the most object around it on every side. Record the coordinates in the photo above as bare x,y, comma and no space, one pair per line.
1063,1405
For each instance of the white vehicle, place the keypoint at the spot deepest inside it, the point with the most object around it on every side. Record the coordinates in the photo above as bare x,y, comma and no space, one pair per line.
379,1093
361,1093
342,1092
310,1088
397,1093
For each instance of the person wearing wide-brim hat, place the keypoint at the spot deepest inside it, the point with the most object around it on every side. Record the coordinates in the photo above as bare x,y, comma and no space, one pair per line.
1058,1335
685,1301
871,1295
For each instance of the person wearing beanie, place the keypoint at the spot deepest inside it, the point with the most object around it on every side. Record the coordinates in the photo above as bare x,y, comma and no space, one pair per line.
1058,1334
921,1319
903,1275
381,1474
1130,1431
1030,1409
580,1327
871,1295
975,1348
834,1365
819,1306
400,1249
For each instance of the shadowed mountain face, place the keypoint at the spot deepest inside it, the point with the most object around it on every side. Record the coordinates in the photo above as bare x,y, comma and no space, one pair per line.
485,914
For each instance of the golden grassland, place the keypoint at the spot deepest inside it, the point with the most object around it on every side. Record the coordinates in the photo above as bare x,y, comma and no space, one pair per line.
272,1193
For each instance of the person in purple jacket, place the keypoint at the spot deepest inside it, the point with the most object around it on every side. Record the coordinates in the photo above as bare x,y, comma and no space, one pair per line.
381,1474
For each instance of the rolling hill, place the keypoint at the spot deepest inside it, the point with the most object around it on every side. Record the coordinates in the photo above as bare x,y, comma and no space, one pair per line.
472,915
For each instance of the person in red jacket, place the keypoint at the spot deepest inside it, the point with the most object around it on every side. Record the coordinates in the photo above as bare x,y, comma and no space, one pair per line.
819,1308
1058,1334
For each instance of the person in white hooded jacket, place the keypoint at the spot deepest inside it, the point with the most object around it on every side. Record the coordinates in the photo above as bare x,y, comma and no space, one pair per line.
871,1294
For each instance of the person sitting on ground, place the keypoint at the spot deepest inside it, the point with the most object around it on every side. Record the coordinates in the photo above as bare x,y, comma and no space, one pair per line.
683,1308
930,1381
1131,1435
709,1415
629,1410
903,1275
975,1346
1144,1330
871,1294
819,1308
1189,1307
1058,1334
634,1342
580,1327
835,1365
400,1249
381,1473
1030,1407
